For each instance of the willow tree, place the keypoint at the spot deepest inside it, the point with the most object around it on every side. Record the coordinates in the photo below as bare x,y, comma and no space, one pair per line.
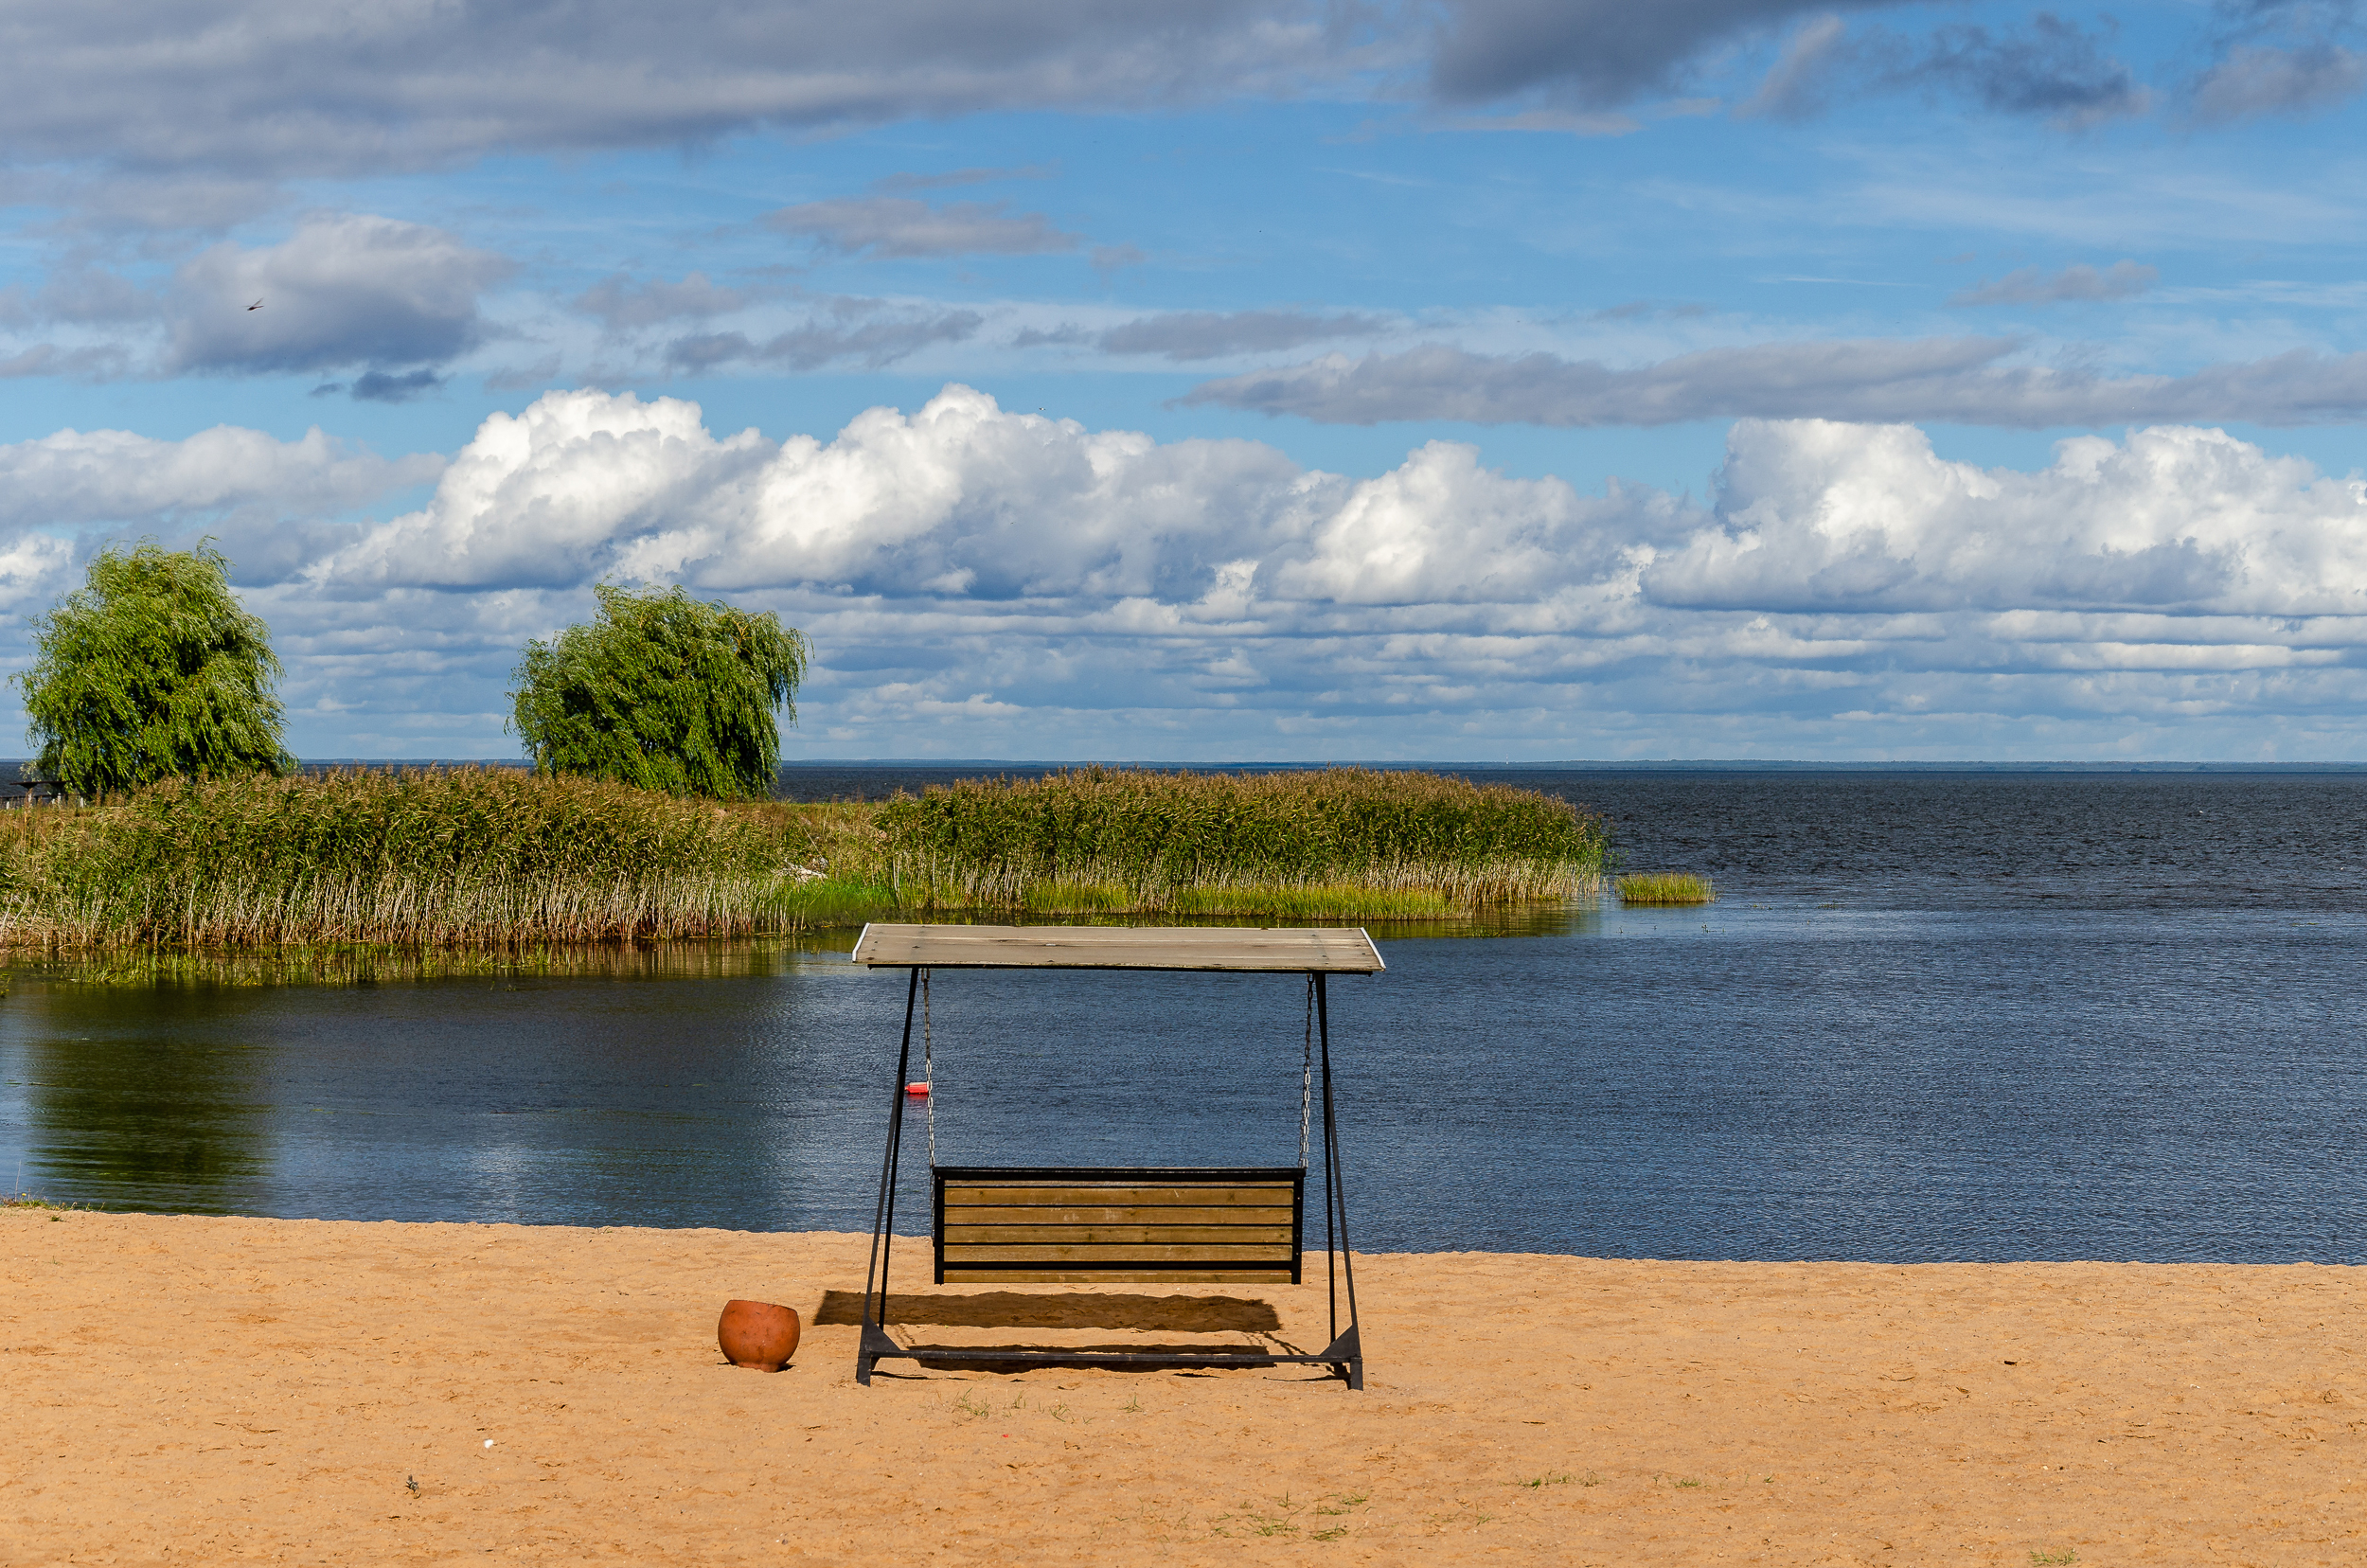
153,669
664,691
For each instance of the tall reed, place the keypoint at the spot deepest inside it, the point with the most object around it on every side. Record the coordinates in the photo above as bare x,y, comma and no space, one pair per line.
471,855
496,857
1215,842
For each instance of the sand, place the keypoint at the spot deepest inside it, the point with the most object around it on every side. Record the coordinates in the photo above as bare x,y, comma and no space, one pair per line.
179,1390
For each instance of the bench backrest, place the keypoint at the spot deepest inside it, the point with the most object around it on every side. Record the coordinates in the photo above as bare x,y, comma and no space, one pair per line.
1169,1224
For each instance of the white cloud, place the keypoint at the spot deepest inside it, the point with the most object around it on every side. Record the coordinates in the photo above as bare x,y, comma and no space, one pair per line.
34,569
983,582
1859,518
583,483
77,478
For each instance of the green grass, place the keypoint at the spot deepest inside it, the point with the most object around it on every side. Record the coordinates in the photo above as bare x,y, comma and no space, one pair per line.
362,964
490,858
1328,843
33,1201
468,856
1665,887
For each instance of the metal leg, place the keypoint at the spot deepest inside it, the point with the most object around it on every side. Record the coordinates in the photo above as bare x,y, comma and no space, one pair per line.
1347,1346
873,1341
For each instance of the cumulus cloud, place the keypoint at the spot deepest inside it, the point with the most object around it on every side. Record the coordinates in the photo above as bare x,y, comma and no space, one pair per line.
2031,286
80,478
897,227
1814,515
342,290
960,493
262,497
982,582
1202,334
33,568
1959,379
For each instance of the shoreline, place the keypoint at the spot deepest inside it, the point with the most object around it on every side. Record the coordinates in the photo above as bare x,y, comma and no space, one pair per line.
232,1389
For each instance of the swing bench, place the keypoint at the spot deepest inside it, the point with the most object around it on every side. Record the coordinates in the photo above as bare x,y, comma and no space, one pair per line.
1163,1225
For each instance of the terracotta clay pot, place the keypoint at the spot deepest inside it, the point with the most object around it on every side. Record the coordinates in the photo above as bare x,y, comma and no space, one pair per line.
758,1334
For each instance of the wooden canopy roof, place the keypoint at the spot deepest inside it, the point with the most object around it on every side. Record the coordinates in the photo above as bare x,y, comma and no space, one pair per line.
1301,950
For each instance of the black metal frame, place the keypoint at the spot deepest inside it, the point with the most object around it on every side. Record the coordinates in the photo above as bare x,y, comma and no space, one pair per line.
1345,1355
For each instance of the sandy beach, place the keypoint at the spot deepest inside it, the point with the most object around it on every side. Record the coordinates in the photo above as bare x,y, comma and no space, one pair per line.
185,1390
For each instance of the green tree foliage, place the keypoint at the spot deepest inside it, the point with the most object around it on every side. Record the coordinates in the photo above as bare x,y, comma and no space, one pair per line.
151,670
663,691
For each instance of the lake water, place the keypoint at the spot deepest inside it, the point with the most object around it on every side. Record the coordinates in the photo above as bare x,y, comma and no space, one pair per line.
1979,1015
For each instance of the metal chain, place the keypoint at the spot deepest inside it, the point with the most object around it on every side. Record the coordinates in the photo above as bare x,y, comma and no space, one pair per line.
929,1070
1306,1072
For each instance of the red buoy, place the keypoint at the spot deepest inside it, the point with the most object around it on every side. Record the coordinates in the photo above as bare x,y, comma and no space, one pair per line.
915,1088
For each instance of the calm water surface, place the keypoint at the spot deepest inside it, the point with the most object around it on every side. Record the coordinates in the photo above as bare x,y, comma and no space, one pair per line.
1981,1016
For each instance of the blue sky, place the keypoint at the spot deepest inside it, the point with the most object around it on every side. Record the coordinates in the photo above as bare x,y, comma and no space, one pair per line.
1487,380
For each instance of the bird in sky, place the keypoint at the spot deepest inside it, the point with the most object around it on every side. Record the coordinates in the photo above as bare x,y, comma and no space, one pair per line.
257,306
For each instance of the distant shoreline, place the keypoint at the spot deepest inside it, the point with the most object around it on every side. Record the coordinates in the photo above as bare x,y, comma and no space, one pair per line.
972,764
924,764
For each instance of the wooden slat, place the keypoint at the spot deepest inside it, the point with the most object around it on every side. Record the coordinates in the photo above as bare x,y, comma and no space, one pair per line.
1105,1197
1146,1253
1096,1276
1336,949
1015,1235
1119,1214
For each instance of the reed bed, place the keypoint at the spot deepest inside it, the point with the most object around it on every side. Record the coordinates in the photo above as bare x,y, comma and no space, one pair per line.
1337,842
469,856
318,868
1664,887
356,964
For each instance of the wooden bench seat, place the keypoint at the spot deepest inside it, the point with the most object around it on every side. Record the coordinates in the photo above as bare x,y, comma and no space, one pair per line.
1079,1225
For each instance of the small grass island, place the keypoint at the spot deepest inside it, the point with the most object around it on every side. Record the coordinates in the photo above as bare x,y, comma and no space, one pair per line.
497,856
1665,887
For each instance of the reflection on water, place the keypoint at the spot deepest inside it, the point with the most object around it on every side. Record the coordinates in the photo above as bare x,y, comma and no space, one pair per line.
118,1113
2039,1019
717,960
1778,1081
